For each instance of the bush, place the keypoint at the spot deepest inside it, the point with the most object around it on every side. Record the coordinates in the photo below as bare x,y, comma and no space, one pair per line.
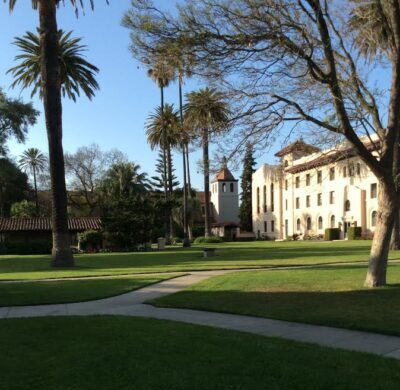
176,240
208,240
198,231
354,232
90,240
332,234
22,248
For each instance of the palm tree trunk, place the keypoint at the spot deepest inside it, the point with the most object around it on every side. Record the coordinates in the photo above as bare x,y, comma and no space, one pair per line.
164,152
206,167
51,84
186,240
170,191
189,184
36,193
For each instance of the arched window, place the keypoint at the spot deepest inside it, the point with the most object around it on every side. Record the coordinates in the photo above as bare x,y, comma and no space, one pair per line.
265,199
344,172
358,169
347,205
258,200
232,187
286,163
320,223
333,221
298,224
308,223
374,217
223,187
272,197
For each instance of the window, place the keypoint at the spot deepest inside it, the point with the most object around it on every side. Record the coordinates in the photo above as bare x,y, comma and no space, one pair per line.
320,223
223,187
358,169
286,185
286,204
351,170
309,225
272,197
344,172
332,197
333,222
332,174
308,179
232,187
203,210
286,163
347,205
374,217
272,226
265,226
298,182
319,199
265,199
319,177
374,190
308,203
258,200
298,224
297,203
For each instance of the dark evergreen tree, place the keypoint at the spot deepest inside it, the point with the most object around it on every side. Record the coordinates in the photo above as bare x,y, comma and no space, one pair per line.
246,220
157,181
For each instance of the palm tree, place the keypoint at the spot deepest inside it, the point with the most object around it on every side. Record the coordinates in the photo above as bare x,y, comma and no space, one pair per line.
76,73
51,82
163,130
161,72
34,161
207,112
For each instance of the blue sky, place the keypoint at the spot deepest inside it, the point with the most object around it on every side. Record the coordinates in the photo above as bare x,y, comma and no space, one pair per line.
116,117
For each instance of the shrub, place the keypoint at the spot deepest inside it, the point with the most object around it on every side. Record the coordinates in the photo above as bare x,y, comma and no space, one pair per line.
176,240
22,248
208,240
354,232
198,231
332,234
90,240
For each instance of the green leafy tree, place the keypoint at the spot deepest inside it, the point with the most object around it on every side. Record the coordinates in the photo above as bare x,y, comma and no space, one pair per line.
246,212
13,186
33,161
51,83
24,209
15,118
207,112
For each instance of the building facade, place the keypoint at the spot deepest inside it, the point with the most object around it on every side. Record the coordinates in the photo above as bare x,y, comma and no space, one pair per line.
311,190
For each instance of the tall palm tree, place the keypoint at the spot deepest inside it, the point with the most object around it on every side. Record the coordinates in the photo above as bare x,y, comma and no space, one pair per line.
207,112
51,82
34,161
163,130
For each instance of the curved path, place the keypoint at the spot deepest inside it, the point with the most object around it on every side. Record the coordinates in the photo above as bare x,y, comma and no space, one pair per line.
132,304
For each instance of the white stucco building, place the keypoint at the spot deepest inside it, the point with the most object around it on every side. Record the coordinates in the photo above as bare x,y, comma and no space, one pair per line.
312,190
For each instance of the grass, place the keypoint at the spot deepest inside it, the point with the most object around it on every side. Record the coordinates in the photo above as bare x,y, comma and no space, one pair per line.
229,256
332,296
64,291
143,354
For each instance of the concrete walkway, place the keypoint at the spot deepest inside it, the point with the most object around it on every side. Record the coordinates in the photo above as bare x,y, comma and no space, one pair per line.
132,304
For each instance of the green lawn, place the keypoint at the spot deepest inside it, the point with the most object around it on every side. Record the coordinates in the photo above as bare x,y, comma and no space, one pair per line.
143,354
332,296
229,256
34,293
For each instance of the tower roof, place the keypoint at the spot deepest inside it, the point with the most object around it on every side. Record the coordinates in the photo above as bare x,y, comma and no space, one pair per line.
224,175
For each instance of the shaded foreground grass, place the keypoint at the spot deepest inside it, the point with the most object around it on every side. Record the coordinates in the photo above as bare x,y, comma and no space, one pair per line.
332,296
229,256
64,291
143,354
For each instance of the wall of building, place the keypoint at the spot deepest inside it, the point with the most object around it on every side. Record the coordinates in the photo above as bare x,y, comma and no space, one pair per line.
225,198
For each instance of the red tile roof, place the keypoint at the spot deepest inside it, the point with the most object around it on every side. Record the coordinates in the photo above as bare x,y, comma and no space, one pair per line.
298,146
225,175
44,224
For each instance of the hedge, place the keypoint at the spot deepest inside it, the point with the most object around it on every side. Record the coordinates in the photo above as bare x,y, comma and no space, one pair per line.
354,232
332,234
208,240
32,248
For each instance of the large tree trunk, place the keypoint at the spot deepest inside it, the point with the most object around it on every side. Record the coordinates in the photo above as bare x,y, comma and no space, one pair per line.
51,83
387,207
164,155
395,239
206,167
170,191
189,184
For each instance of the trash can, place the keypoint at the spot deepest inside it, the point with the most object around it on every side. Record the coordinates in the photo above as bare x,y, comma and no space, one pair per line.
161,243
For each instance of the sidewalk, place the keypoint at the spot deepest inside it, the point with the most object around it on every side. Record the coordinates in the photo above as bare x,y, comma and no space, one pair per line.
131,304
